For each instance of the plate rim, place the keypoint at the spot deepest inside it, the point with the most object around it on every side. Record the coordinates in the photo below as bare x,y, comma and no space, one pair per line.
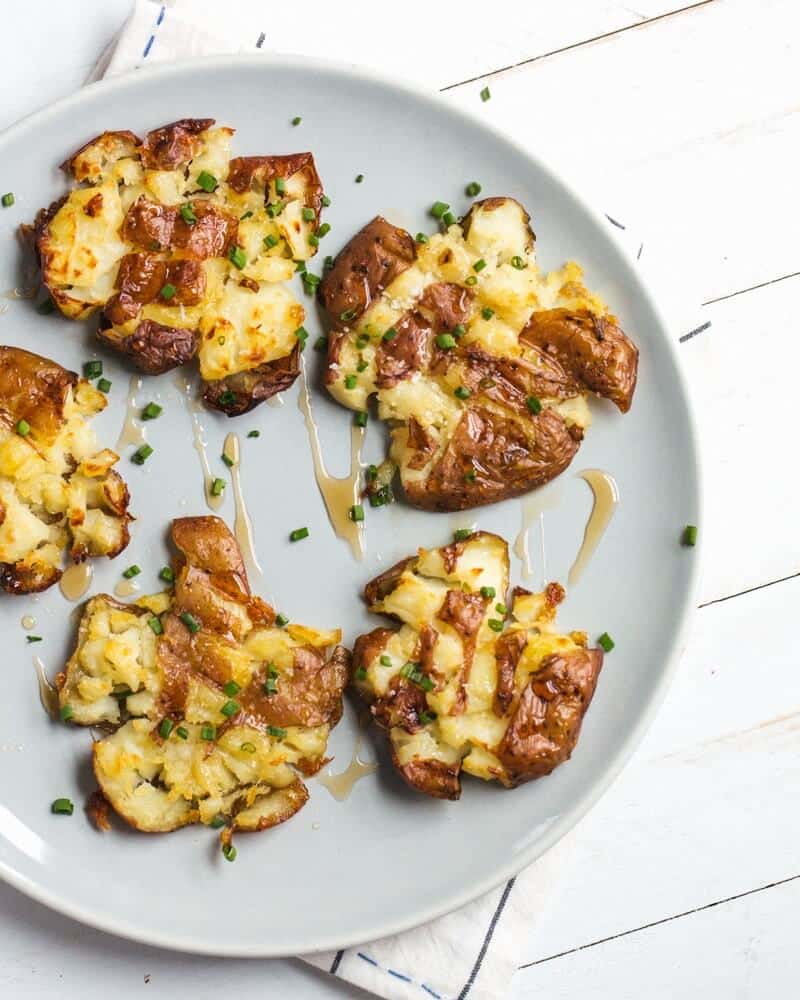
571,816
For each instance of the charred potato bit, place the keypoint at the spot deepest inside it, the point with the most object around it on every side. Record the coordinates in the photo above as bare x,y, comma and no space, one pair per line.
216,712
465,684
481,364
186,251
58,492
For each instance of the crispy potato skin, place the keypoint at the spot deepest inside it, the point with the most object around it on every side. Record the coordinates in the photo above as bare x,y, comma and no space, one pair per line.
249,388
35,389
438,720
155,227
494,384
153,348
591,349
143,773
546,724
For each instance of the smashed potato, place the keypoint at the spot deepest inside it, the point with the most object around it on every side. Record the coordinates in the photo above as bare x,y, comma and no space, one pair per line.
465,683
481,364
186,252
58,492
217,711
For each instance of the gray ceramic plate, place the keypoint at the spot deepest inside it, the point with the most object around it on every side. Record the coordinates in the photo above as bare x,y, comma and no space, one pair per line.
385,859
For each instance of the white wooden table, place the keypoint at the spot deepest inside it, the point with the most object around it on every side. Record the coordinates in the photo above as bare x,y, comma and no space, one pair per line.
682,121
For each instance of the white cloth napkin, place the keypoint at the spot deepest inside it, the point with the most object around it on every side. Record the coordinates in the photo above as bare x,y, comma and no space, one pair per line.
474,952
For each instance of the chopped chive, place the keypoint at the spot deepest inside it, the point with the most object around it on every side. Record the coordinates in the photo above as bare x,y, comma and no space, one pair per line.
208,182
381,497
33,638
390,334
151,411
280,185
421,238
361,673
248,747
131,572
501,609
321,343
487,383
23,428
155,625
231,689
7,199
187,214
142,453
103,385
606,642
350,382
93,369
254,434
46,306
357,512
408,668
274,209
462,534
689,536
61,807
424,682
272,670
488,592
208,733
473,189
281,620
217,486
308,214
479,265
386,661
296,120
237,257
190,622
471,476
426,717
277,732
313,240
446,341
325,201
438,208
362,365
227,398
449,219
298,534
347,315
270,685
361,418
359,178
168,291
229,852
227,460
362,340
462,392
270,241
324,229
485,94
471,280
328,262
302,335
518,262
166,727
217,822
495,624
533,404
487,312
459,330
65,713
371,473
183,732
230,708
166,574
310,281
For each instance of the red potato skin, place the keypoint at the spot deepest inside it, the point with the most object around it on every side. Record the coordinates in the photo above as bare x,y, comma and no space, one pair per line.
239,393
